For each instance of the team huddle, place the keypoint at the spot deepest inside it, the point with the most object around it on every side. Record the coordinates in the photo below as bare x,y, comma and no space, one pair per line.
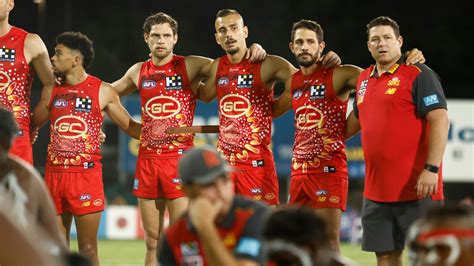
218,198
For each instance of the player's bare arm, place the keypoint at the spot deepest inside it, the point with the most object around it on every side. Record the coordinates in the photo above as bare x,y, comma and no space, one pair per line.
37,55
352,125
110,104
41,112
283,103
208,92
129,82
198,69
345,80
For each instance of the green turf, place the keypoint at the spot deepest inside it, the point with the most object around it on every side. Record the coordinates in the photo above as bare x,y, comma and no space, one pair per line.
121,253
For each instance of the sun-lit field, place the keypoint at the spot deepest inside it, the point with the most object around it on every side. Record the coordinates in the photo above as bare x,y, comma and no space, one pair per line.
114,252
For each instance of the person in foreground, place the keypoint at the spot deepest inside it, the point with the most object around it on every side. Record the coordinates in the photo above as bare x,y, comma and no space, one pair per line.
218,228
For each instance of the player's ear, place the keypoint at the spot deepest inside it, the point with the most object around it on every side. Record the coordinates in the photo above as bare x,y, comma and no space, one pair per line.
145,37
246,32
322,45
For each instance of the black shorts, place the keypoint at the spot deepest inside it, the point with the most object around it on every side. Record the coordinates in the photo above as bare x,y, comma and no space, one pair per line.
385,224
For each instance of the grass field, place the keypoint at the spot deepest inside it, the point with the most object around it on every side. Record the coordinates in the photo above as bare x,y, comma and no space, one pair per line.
122,253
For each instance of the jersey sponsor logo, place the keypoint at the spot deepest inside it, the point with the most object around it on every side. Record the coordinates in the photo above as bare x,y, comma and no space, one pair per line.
308,117
234,105
329,169
334,199
83,104
85,197
391,91
321,199
395,81
189,248
173,83
258,163
60,103
70,127
297,94
430,100
162,107
317,92
256,190
97,202
148,84
222,81
244,81
362,89
269,196
7,55
249,246
86,204
321,192
88,165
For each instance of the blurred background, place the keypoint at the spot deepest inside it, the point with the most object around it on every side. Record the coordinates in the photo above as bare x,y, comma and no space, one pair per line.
442,30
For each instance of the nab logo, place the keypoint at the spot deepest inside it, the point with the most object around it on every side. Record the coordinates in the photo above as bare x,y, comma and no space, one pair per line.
162,107
234,105
148,84
60,103
70,126
307,117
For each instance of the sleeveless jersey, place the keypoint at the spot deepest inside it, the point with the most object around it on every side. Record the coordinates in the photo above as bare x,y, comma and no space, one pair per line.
319,124
76,119
166,101
245,114
15,78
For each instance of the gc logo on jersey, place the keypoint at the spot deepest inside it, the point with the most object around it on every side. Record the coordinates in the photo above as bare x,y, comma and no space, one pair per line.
245,81
234,105
161,107
173,83
308,117
70,126
317,92
83,104
7,55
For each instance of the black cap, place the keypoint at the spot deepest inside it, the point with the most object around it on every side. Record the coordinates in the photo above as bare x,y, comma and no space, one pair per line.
202,166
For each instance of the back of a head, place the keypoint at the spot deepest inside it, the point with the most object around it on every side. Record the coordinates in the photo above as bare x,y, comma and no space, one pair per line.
78,42
8,127
451,216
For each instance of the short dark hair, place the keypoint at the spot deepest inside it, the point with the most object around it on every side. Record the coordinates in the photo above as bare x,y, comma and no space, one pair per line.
79,42
310,25
298,225
384,21
8,125
226,12
160,18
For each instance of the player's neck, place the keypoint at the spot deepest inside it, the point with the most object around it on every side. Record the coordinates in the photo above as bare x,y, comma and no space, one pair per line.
308,70
383,67
162,61
4,27
76,76
237,57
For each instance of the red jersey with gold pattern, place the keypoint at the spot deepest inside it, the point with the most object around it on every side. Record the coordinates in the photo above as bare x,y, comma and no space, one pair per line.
319,124
167,101
15,78
76,119
245,114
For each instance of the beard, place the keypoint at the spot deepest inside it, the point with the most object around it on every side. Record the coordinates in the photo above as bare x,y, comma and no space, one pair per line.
307,62
232,51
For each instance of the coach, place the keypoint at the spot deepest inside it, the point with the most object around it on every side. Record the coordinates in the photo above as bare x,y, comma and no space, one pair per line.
401,112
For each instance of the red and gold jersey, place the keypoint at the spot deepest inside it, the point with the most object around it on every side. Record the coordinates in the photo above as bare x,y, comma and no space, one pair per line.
76,119
167,101
15,78
245,114
319,124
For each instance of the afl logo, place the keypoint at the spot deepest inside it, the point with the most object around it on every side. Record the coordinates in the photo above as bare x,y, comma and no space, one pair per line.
70,127
60,103
161,107
307,117
223,81
148,84
234,105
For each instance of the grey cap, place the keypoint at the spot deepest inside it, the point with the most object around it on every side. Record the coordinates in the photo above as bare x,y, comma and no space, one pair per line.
202,165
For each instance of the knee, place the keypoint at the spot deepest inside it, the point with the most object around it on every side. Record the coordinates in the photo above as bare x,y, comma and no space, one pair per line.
88,248
151,240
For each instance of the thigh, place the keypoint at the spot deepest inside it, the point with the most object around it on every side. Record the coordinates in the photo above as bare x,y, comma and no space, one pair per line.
87,227
176,207
151,212
145,183
84,192
378,226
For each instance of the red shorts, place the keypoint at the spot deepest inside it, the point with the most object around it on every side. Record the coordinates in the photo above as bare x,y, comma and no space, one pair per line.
319,191
258,184
76,192
21,147
157,178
